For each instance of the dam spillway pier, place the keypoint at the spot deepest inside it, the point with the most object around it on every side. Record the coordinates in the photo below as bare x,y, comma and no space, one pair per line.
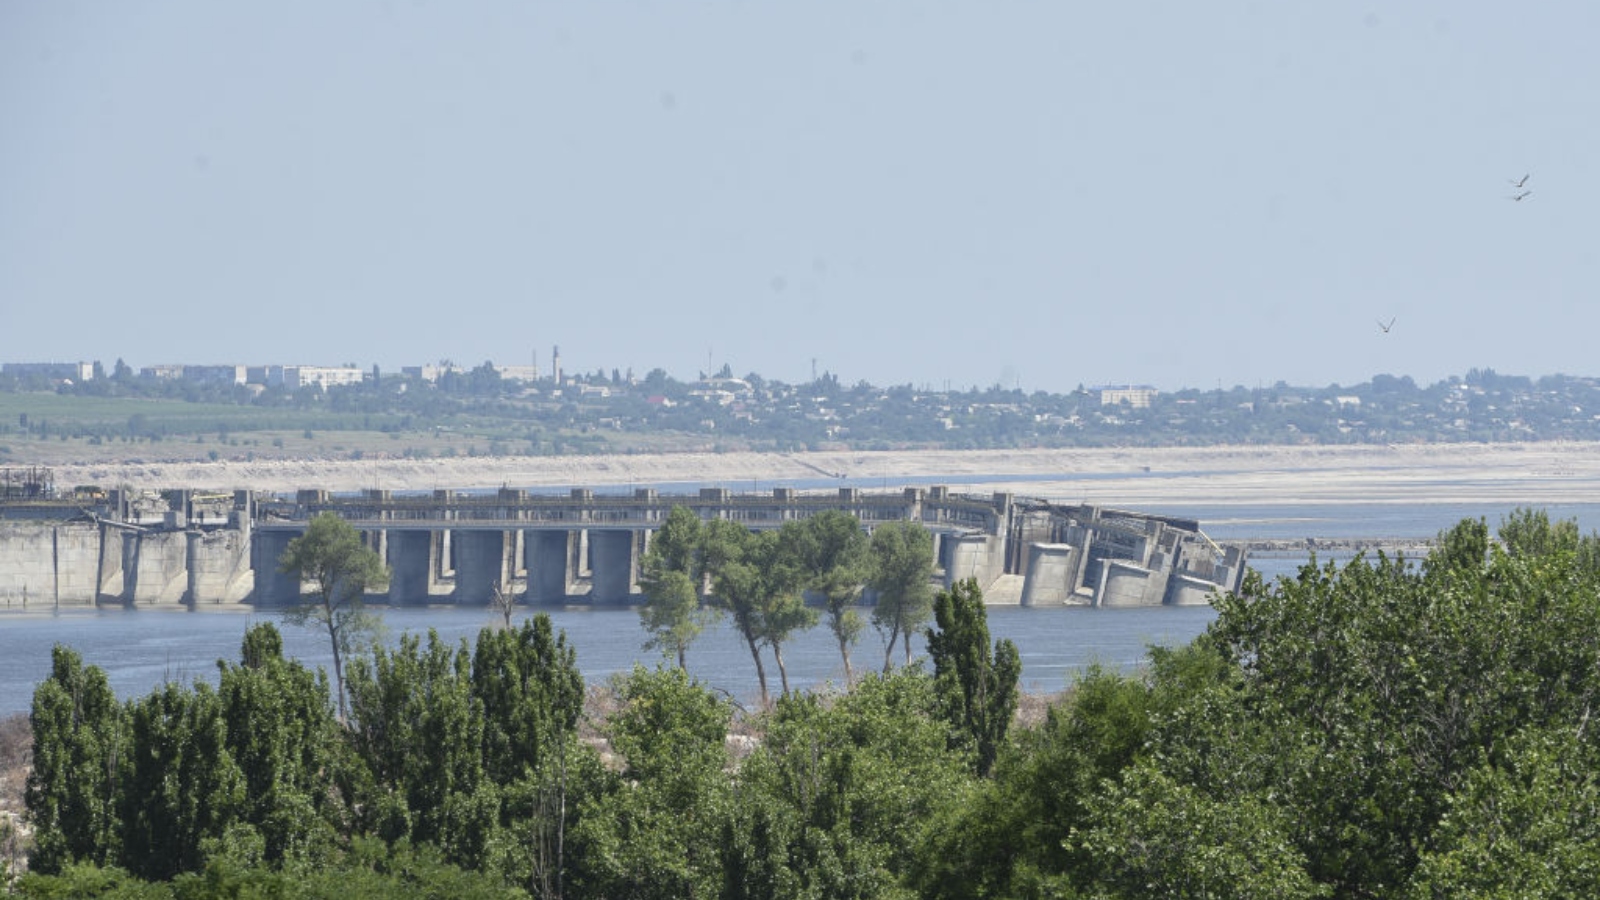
180,547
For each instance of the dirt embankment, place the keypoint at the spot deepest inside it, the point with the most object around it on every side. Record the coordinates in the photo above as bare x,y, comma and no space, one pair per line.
1539,473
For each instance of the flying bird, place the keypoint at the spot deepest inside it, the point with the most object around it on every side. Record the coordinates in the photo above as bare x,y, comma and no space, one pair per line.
1384,327
1518,197
1518,182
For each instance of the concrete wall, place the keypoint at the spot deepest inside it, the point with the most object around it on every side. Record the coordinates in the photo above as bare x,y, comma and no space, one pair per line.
219,567
411,567
48,563
1123,584
975,556
156,566
1186,590
272,588
547,555
616,566
480,566
1049,576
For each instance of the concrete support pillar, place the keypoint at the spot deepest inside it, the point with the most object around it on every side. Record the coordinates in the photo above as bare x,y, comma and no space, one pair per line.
549,556
410,566
1125,584
615,565
969,557
480,566
1048,580
444,556
1081,561
581,563
273,588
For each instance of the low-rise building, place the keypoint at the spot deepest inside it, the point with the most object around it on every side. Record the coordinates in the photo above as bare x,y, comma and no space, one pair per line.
78,371
217,374
1136,396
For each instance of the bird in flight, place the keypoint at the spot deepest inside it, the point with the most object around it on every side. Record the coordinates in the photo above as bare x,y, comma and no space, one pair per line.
1518,197
1518,182
1385,326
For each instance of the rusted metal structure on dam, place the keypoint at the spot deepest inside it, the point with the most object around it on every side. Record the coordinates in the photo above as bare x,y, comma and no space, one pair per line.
461,547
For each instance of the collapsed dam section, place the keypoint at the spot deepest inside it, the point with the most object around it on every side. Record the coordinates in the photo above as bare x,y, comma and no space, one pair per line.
180,547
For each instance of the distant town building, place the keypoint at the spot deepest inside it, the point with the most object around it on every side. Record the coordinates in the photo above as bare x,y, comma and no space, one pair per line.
1136,396
429,373
217,374
171,372
297,377
294,378
518,373
736,386
78,371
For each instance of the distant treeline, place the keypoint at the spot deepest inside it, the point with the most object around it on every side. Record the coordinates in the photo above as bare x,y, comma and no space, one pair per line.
1411,728
610,412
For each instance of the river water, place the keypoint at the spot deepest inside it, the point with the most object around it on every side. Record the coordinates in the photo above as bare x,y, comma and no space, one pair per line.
141,649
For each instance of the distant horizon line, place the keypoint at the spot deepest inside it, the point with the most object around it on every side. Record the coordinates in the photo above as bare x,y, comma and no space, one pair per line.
542,374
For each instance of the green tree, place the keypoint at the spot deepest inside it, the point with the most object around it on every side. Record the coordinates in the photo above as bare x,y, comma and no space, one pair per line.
672,615
282,733
1370,693
331,554
902,566
532,694
1159,837
80,750
183,788
417,726
655,832
671,574
1524,823
676,545
851,785
722,541
1010,840
528,682
758,585
832,552
977,686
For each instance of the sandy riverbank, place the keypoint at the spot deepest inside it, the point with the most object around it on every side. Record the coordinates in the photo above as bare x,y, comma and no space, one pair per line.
1536,474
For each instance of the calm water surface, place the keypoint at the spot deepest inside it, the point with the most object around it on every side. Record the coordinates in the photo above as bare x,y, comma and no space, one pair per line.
141,649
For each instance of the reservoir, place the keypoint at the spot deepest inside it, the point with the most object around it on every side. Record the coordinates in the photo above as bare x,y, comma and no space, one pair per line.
141,649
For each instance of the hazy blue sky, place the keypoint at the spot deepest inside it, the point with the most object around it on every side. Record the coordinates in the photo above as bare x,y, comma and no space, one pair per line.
1037,194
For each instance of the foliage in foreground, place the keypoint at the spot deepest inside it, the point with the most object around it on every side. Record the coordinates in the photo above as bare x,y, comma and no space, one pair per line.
1388,728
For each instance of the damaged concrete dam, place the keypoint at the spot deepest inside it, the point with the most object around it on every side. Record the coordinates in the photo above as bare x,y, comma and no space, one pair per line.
179,547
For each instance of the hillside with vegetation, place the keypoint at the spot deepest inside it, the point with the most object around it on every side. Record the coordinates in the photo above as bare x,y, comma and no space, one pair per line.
477,412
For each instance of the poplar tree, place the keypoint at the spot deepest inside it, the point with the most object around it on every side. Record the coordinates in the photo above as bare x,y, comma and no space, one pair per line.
183,787
283,735
79,756
902,567
977,686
